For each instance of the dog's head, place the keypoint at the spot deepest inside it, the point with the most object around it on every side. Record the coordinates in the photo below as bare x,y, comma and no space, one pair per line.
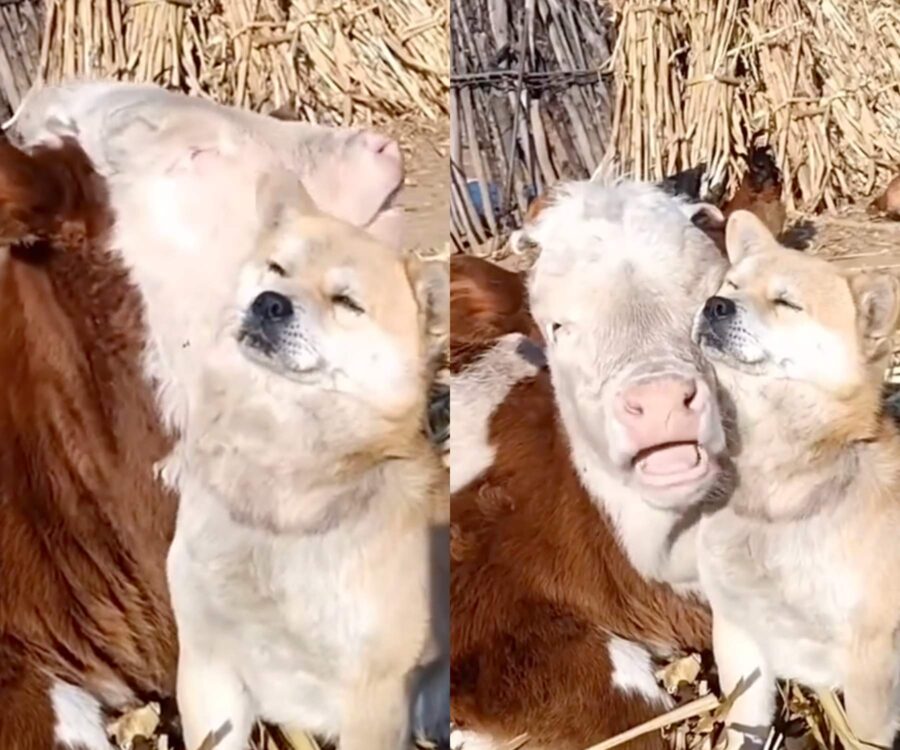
318,370
326,310
782,317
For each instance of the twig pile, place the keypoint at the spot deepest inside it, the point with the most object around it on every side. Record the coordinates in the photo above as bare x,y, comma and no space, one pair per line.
344,61
697,80
528,106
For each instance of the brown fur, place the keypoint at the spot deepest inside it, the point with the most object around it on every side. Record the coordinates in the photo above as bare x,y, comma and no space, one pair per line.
888,203
487,302
760,191
84,525
538,584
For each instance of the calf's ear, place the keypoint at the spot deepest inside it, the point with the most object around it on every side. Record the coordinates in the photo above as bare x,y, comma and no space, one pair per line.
42,189
877,297
709,219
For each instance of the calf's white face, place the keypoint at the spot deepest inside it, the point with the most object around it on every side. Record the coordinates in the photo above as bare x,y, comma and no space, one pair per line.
352,174
621,272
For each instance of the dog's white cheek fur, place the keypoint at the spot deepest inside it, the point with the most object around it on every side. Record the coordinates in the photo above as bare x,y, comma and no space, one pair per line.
373,367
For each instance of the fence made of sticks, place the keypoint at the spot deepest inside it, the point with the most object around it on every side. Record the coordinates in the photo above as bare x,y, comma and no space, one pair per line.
646,89
21,22
528,106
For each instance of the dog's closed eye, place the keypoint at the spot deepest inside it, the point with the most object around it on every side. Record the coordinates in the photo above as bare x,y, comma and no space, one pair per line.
784,302
275,268
345,300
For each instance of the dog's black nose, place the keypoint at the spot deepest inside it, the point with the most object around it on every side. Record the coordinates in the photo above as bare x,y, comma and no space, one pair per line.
718,308
272,307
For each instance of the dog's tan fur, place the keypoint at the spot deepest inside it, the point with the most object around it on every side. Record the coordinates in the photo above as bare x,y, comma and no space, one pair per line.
802,567
301,570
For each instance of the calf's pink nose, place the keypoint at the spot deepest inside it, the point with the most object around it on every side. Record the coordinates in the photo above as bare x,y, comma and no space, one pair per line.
664,410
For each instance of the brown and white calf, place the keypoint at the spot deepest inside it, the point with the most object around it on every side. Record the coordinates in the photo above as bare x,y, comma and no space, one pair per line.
84,527
85,621
578,478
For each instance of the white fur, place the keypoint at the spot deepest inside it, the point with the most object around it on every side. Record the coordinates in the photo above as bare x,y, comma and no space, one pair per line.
79,718
475,393
111,120
285,633
633,671
462,739
621,273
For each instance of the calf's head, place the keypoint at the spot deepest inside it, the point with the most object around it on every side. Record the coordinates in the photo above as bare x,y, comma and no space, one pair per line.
621,272
350,173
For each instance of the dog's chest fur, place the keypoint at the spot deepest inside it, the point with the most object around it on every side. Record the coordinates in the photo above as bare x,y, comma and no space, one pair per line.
298,616
789,584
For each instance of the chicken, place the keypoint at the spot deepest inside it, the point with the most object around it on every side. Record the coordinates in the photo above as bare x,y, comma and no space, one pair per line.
760,191
687,182
888,203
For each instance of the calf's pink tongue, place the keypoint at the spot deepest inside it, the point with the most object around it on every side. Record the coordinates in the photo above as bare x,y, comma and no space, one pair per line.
673,459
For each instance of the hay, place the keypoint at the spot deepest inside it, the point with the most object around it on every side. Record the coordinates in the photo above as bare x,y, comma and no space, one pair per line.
697,80
338,62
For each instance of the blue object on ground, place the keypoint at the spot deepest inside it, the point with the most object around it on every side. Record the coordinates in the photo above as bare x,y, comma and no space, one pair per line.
495,194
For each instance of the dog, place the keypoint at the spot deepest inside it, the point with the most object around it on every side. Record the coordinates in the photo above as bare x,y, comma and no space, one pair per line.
312,505
801,566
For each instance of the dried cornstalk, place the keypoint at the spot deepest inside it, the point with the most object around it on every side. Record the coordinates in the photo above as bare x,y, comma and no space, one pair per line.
346,61
698,80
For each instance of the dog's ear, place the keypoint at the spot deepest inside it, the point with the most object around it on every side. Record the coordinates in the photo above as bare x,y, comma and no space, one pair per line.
430,281
877,297
278,194
746,235
41,190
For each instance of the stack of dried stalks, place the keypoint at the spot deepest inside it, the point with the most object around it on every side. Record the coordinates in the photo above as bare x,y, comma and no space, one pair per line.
20,34
343,61
696,80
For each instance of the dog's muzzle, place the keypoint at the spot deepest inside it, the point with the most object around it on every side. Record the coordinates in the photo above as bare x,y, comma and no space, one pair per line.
264,320
717,315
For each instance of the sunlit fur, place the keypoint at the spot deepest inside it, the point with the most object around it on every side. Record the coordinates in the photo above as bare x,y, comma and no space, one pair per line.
801,566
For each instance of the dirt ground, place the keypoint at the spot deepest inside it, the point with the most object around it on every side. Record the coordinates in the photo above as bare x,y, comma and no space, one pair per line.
855,240
425,199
